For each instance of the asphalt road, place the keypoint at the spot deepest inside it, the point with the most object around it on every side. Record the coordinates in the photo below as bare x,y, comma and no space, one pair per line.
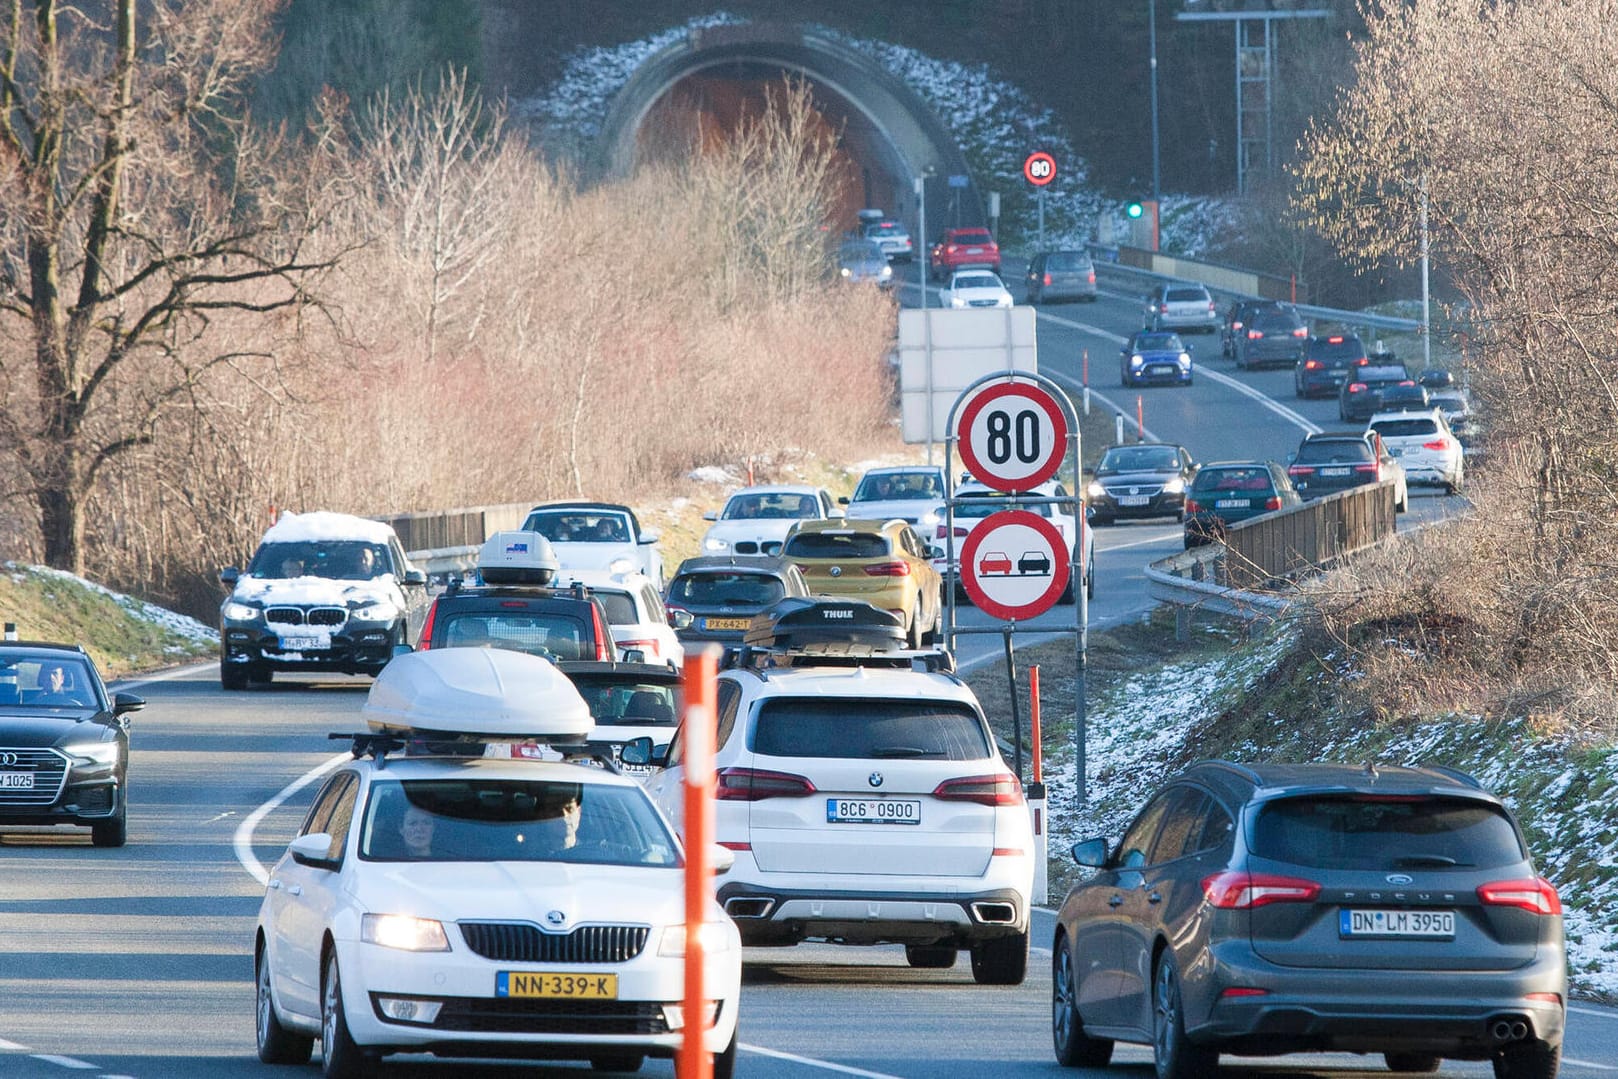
136,962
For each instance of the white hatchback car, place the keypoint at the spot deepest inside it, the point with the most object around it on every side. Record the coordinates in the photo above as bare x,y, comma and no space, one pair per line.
450,893
756,520
636,617
866,805
975,288
1425,445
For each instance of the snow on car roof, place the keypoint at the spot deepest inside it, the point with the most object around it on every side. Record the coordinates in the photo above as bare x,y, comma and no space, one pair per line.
326,525
477,691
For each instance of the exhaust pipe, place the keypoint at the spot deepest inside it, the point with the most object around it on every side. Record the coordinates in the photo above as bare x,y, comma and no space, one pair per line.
748,906
995,913
1508,1030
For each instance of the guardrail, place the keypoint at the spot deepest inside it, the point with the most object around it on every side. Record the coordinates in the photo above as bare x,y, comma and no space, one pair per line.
448,541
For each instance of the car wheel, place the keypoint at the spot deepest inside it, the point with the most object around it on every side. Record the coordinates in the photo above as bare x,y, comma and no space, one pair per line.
916,636
1404,501
1411,1062
1172,1051
340,1056
276,1044
1074,1048
1528,1060
232,676
1002,961
936,633
1090,580
114,831
618,1062
931,956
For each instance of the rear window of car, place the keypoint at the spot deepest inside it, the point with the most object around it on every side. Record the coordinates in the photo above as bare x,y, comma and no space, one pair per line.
1344,349
725,590
1232,479
1386,833
1420,425
620,607
1373,373
1067,261
617,703
1448,402
1275,320
542,633
1336,451
973,236
842,729
1183,295
836,545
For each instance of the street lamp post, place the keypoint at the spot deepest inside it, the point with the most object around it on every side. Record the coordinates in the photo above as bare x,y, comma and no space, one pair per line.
1151,38
925,258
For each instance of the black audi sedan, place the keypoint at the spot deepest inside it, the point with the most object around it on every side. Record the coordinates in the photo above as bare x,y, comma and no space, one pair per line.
64,744
1139,479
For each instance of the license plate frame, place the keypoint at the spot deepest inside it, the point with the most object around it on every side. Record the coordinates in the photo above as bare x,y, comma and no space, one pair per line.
1134,500
16,781
1384,923
305,644
866,811
555,985
1230,503
1340,471
726,623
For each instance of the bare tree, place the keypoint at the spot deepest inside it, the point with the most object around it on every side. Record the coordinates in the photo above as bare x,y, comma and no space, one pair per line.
137,205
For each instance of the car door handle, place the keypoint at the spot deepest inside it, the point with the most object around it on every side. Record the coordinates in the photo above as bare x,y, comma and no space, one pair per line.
1116,901
296,889
1154,897
276,883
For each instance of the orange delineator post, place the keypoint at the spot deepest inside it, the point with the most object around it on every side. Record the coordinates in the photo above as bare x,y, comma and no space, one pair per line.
1140,418
1085,380
701,719
1033,717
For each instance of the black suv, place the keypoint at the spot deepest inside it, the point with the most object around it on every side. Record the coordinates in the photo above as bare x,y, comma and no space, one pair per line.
1237,316
1326,363
556,623
1288,908
1361,395
64,745
1272,336
1139,479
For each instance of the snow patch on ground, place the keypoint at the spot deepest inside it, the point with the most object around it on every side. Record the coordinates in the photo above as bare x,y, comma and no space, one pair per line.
178,624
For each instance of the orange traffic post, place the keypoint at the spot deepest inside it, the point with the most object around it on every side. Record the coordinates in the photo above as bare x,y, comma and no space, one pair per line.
1140,418
701,719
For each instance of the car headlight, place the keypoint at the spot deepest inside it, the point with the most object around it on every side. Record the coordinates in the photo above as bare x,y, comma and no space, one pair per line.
239,612
1185,359
1004,301
847,272
930,519
380,611
404,932
714,543
956,301
712,935
1095,490
1136,360
1174,486
886,271
105,753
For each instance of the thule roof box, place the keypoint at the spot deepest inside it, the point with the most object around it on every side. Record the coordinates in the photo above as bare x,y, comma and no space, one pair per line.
809,631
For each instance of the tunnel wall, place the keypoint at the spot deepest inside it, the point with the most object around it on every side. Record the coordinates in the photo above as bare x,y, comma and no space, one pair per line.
917,138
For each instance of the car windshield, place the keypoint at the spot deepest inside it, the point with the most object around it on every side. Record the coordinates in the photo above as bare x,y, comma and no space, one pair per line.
615,702
845,729
977,280
770,507
1232,479
340,560
983,503
513,820
1140,459
725,590
1386,834
37,679
859,251
572,526
836,545
1419,425
553,635
1334,451
898,486
1158,342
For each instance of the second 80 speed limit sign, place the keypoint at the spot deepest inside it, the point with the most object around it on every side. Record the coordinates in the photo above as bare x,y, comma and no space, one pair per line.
1013,436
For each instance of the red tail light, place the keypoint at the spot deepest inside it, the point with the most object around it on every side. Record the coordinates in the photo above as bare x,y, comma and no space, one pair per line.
672,610
1312,365
996,790
1211,308
1163,308
757,784
1367,468
1273,502
1356,387
950,249
1300,332
888,569
1537,896
1192,506
1436,444
603,642
650,648
1235,325
1254,335
1237,890
426,641
1047,279
1092,277
1300,470
1335,339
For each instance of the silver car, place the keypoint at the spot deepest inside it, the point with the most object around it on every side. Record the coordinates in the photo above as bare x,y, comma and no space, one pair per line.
892,238
1181,307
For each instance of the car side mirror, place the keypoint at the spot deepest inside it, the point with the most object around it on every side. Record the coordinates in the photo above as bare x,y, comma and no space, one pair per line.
935,551
1091,852
1291,457
649,535
229,576
124,703
416,577
711,515
402,649
311,849
636,751
681,619
842,500
720,857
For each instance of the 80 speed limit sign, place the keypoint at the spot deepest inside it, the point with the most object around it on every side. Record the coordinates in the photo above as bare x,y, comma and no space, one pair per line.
1013,436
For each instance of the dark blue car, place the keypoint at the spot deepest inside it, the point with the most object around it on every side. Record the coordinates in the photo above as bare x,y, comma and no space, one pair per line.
1155,356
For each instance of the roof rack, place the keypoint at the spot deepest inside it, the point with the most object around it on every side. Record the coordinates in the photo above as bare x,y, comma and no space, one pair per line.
378,744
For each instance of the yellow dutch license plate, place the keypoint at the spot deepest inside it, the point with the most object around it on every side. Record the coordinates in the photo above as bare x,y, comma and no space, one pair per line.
520,983
726,623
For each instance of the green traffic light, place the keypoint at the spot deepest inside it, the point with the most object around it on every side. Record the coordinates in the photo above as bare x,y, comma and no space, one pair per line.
1134,209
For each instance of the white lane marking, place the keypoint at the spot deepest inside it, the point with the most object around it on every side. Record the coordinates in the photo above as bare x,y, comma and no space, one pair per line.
1590,1064
841,1069
65,1062
164,676
12,1047
1309,427
243,841
1134,543
1592,1011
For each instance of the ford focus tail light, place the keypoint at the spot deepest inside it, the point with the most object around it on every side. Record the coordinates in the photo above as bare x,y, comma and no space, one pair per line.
1238,890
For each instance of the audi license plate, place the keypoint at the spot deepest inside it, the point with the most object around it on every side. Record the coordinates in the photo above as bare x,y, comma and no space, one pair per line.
726,623
546,983
1134,500
1421,924
16,781
873,811
1230,503
304,644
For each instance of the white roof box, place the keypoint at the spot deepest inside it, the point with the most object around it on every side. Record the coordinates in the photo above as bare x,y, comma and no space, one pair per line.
517,558
489,692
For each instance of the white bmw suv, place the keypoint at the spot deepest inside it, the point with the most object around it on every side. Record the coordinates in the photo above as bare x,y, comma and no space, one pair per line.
867,805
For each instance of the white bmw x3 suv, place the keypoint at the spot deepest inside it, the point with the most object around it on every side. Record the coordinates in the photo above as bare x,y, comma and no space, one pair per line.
866,804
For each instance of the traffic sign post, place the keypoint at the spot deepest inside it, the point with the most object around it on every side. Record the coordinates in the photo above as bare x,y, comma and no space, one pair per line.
1040,169
1014,430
